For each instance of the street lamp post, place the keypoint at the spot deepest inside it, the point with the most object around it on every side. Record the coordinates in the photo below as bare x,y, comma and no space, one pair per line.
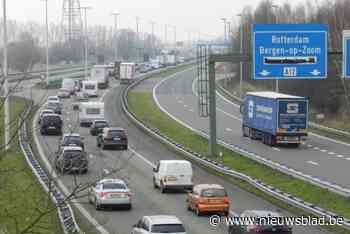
116,35
86,42
47,43
224,20
6,88
241,63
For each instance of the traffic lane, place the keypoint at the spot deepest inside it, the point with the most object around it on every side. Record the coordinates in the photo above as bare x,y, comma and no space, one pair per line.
241,200
136,172
304,158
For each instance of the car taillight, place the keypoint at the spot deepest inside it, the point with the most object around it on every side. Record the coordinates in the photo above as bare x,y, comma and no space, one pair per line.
103,194
129,194
227,200
201,200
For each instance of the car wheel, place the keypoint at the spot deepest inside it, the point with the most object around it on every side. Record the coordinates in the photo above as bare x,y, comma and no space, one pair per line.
198,212
154,183
126,147
188,207
129,207
97,205
162,188
103,146
226,213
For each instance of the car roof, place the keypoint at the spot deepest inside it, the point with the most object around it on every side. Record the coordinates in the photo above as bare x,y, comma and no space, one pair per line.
74,148
51,114
53,101
163,219
111,180
47,110
174,161
209,186
263,213
99,120
116,129
54,96
71,134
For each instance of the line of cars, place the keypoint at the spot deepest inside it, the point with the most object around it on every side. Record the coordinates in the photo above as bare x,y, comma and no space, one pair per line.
167,175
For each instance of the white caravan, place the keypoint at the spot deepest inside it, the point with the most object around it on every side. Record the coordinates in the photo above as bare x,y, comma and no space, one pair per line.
90,111
90,88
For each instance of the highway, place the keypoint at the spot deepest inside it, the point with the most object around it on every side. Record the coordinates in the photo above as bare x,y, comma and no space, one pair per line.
321,157
135,167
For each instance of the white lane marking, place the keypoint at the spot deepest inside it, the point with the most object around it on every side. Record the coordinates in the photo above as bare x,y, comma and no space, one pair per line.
180,101
230,115
316,148
228,129
277,149
340,156
313,163
323,150
348,159
142,157
185,106
69,125
68,119
331,153
64,189
191,110
91,156
309,146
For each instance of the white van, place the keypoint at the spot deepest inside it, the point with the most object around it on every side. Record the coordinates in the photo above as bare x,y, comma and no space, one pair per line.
90,111
90,88
68,84
173,174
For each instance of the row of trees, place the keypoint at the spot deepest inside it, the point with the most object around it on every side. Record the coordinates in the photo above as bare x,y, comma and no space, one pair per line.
27,45
327,96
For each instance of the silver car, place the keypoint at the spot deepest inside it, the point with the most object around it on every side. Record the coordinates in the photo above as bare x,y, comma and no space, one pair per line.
110,192
158,224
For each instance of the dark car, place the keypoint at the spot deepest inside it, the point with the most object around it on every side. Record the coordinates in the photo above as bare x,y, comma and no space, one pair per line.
97,127
256,221
112,137
71,159
72,139
51,124
55,106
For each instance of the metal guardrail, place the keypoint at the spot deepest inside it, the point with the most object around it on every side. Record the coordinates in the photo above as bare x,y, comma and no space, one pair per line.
312,124
285,197
65,211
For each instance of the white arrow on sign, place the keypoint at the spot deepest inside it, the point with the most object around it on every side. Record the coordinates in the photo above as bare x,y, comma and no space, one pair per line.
315,72
264,73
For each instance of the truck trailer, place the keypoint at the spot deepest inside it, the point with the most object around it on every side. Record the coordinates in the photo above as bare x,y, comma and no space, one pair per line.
275,118
99,73
127,73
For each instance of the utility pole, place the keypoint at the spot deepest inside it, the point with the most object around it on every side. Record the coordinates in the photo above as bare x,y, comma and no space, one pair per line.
175,36
224,20
152,41
86,42
47,44
137,38
116,35
165,34
6,88
241,63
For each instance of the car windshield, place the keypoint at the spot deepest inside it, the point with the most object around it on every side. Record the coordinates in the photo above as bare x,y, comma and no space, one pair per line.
101,124
90,87
93,111
167,228
116,133
114,186
72,140
52,104
71,154
214,193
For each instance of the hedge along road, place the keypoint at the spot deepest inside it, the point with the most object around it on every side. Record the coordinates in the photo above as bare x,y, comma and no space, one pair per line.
320,157
135,167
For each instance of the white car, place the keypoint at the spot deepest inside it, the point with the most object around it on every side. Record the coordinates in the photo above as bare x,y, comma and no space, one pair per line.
159,224
173,174
53,98
43,112
63,93
110,192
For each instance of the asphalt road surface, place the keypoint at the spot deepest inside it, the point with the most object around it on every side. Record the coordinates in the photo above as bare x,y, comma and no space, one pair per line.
135,167
319,156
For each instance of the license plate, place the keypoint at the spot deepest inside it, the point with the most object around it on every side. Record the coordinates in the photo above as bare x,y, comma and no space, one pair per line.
51,127
214,201
116,138
115,195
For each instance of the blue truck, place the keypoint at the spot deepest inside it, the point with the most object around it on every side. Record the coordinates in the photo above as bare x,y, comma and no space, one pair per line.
275,118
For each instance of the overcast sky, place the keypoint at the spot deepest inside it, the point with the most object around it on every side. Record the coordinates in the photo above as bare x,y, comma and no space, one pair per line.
187,15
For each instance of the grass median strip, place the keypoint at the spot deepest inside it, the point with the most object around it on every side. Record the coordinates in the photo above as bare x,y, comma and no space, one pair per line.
23,202
143,106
